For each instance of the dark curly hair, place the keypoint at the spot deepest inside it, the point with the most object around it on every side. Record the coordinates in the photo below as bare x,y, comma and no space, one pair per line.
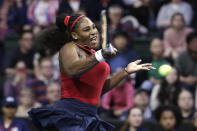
173,109
53,38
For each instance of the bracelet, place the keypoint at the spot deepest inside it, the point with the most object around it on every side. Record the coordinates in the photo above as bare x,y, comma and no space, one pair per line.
126,71
99,56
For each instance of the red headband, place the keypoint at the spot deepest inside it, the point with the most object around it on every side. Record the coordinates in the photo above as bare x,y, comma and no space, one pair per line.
75,22
66,20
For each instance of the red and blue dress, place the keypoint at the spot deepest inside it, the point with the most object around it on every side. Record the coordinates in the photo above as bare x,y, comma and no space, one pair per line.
77,110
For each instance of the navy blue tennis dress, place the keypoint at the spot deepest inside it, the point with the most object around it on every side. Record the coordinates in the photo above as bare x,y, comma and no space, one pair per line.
77,109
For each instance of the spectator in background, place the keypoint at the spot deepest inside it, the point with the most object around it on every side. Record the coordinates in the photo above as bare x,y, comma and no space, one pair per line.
17,15
120,99
157,50
186,63
46,72
19,81
8,120
115,13
145,13
4,9
168,117
142,101
124,54
186,105
166,93
134,120
43,53
13,14
43,12
71,6
27,101
167,11
175,36
53,93
24,52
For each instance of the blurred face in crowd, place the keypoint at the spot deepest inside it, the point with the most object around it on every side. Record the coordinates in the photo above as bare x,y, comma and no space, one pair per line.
26,41
26,97
47,68
157,47
178,21
53,92
192,46
21,67
141,99
167,120
135,117
120,43
185,100
115,14
172,77
9,112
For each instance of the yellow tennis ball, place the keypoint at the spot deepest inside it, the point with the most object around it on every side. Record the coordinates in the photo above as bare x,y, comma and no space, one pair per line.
165,70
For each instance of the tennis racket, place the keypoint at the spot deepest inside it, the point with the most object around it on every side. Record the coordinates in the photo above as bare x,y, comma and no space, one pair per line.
104,29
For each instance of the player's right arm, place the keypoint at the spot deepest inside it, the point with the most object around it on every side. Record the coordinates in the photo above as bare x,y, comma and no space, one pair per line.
72,64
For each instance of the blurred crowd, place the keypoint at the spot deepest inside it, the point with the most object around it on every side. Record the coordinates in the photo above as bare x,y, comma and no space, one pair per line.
145,101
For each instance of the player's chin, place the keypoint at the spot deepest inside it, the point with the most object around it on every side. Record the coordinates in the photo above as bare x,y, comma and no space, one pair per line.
95,45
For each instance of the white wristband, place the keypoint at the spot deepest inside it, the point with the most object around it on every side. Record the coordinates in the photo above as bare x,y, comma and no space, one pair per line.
99,56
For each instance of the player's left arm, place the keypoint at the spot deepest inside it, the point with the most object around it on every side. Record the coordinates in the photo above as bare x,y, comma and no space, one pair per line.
131,68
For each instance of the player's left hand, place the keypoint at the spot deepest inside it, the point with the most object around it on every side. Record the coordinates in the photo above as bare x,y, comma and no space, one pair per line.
135,66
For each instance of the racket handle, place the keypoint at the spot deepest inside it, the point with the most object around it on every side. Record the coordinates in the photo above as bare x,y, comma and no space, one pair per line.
109,47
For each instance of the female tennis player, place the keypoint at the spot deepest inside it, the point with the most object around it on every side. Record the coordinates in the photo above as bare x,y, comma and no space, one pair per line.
84,75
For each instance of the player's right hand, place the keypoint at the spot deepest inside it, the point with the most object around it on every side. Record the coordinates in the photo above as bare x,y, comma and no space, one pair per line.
109,52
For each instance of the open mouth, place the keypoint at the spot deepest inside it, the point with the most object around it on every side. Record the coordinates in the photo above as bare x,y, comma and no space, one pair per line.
93,39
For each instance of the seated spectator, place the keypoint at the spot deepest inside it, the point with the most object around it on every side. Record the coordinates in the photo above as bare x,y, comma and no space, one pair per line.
24,53
27,101
46,72
166,93
175,36
167,11
19,81
53,93
8,120
43,12
145,13
186,105
124,54
42,53
115,13
168,117
4,10
119,100
17,15
134,120
142,101
186,63
156,48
